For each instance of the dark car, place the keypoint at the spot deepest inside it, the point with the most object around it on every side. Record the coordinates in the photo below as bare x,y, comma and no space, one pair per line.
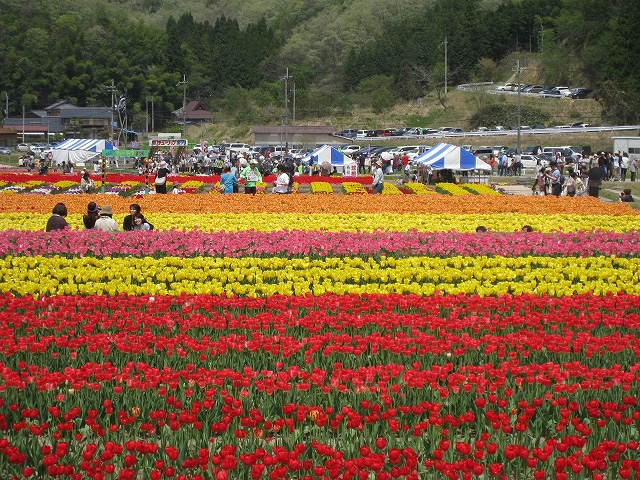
375,133
532,89
580,92
348,133
532,150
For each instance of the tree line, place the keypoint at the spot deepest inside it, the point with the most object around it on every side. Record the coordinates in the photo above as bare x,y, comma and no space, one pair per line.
237,70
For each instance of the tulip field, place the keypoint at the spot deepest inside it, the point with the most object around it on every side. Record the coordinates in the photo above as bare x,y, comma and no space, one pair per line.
320,337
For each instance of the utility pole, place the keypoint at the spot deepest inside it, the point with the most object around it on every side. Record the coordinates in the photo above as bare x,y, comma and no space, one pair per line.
184,105
146,123
286,109
445,64
112,89
518,70
541,32
6,111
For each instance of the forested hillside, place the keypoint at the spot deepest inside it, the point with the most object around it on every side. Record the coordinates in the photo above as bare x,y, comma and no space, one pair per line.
341,54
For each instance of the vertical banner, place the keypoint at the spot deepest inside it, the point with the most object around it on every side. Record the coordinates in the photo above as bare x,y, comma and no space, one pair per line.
104,173
146,173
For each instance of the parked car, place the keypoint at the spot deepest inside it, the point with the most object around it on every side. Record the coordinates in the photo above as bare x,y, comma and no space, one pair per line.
533,161
412,151
388,132
362,133
23,147
580,92
557,92
566,152
483,152
350,149
5,151
239,148
532,89
506,87
532,150
347,133
498,149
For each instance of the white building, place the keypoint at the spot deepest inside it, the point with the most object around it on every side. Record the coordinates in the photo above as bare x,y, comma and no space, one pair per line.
631,145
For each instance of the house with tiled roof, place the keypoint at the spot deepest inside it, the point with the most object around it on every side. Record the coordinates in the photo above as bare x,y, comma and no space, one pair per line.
64,118
194,112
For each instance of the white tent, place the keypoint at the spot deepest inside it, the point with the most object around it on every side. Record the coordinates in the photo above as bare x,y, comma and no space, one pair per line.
328,154
79,150
445,156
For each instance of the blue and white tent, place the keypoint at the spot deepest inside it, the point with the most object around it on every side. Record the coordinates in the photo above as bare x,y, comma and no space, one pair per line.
446,156
79,150
330,155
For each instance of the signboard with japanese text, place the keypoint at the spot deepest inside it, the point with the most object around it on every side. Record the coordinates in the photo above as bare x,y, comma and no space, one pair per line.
350,169
169,143
125,153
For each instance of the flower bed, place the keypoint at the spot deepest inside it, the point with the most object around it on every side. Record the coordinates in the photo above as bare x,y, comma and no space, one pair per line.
321,337
321,188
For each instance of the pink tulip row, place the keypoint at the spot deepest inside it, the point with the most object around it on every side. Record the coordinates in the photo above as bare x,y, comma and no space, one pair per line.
301,243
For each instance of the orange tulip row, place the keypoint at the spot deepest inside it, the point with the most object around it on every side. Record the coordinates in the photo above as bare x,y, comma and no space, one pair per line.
442,204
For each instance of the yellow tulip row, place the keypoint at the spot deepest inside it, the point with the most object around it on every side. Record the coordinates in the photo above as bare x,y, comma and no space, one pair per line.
365,222
556,276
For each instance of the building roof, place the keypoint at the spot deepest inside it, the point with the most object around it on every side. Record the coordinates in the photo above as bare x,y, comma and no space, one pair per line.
61,104
86,112
292,129
194,111
29,128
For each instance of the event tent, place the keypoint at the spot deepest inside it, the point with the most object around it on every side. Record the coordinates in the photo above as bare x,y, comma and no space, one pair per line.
79,150
446,156
328,154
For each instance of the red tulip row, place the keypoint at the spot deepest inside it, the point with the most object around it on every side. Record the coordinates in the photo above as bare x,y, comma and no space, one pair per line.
378,386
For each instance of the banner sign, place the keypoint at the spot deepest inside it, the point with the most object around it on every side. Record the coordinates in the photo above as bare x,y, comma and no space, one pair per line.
169,143
125,153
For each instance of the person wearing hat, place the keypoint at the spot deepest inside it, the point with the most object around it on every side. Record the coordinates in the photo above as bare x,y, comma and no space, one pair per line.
86,184
89,220
252,176
105,222
161,177
378,177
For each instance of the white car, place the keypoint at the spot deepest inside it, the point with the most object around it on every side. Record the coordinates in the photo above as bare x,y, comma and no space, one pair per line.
23,147
532,162
412,152
350,149
238,148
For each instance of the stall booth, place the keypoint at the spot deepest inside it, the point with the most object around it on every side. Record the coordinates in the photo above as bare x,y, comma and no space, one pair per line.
447,160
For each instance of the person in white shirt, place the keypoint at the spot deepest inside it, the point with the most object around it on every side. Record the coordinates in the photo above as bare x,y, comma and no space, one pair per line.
378,177
281,185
